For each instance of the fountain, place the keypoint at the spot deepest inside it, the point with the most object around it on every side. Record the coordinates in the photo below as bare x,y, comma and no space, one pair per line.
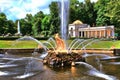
59,54
64,13
18,29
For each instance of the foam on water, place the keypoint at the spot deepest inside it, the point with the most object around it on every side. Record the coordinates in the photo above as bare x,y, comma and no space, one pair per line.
8,66
110,58
24,76
114,63
3,73
6,73
101,75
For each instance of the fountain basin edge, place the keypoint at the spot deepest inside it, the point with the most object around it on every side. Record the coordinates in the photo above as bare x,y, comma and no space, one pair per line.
31,50
53,59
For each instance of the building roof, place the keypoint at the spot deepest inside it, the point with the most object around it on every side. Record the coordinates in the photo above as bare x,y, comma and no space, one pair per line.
78,22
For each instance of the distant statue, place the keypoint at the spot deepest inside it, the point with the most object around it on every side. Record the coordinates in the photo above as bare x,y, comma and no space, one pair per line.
39,46
59,42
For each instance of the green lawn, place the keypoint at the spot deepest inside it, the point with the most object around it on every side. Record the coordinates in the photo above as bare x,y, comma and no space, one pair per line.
17,44
117,44
32,44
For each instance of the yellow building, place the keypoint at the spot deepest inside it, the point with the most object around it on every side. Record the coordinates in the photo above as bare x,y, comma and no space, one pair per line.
78,29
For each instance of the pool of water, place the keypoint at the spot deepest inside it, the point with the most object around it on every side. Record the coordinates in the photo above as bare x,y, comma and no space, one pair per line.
25,67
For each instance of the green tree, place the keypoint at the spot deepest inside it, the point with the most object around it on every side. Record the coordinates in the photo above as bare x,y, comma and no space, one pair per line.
25,27
100,7
90,13
46,25
37,23
83,11
3,23
29,23
74,10
10,27
55,21
6,26
113,12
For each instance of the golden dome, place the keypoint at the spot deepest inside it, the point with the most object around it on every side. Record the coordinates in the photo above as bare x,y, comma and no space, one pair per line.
78,22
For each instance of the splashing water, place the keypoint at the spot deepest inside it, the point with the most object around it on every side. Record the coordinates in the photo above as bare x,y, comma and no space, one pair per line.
110,58
5,73
20,68
64,9
30,69
18,27
31,38
114,63
90,70
24,76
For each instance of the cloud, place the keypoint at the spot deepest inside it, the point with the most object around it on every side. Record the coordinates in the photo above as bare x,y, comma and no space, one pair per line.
94,0
17,9
90,0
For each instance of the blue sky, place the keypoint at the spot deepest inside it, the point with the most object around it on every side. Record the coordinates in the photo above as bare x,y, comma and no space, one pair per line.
17,9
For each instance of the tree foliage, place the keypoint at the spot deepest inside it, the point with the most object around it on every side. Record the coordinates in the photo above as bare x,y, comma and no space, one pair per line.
74,10
100,7
82,11
54,13
6,26
113,12
103,12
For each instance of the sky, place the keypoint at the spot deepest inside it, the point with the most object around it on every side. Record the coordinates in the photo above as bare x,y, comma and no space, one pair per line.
17,9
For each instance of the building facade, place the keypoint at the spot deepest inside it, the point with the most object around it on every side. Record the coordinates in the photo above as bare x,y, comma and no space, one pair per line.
78,29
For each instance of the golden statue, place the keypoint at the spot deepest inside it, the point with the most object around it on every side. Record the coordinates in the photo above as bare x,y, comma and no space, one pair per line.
60,45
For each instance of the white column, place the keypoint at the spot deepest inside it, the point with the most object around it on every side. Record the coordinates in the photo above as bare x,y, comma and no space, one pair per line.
88,33
96,34
91,33
104,34
85,33
113,34
100,34
107,33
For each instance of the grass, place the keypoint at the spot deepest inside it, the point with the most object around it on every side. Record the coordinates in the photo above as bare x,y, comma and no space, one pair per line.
33,44
17,44
102,44
5,44
117,44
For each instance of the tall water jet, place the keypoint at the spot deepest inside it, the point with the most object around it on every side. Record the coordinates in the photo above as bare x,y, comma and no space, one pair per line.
18,28
64,12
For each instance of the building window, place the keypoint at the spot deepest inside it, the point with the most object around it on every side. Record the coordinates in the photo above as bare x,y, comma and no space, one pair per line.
71,32
80,34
